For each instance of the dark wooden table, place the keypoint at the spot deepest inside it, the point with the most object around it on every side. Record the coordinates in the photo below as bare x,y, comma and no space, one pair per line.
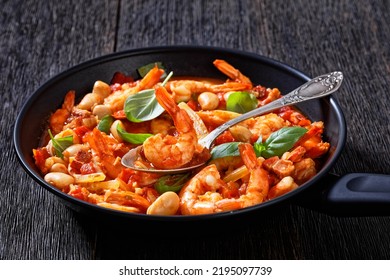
39,39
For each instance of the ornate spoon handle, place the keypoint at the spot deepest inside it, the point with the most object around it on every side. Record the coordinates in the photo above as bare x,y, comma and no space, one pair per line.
316,88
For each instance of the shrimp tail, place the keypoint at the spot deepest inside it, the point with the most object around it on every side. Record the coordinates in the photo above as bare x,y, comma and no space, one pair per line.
58,119
151,78
102,145
231,72
116,100
168,151
182,121
258,185
248,155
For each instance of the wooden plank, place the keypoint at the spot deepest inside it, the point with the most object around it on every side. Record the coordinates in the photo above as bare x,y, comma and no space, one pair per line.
40,39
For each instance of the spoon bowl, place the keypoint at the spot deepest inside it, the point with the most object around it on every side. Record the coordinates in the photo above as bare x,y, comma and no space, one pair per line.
131,156
318,87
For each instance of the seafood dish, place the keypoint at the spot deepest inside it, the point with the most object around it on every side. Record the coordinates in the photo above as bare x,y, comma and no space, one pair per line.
255,161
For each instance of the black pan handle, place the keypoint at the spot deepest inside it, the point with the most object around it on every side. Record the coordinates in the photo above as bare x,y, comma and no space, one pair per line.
355,194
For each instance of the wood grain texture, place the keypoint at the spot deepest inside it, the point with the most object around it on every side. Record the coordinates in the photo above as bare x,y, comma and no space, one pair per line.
40,39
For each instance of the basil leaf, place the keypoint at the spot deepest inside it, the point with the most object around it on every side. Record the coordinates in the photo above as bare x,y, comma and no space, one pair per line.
133,138
259,149
258,146
282,140
142,106
171,183
60,144
241,102
143,70
225,150
277,144
105,124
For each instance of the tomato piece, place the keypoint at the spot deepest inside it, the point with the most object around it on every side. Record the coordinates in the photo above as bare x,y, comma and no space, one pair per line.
81,130
128,175
40,156
120,78
285,112
193,105
119,115
225,137
80,193
87,168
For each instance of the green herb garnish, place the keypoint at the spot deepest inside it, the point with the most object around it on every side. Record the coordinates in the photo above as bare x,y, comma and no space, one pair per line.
143,106
241,102
225,150
277,143
60,144
133,138
171,183
105,124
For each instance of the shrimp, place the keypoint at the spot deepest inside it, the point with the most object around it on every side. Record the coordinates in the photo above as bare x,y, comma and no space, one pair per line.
264,125
60,116
203,194
182,90
200,194
117,99
231,72
285,185
295,155
272,95
106,148
216,117
260,126
304,170
257,188
167,151
227,163
312,141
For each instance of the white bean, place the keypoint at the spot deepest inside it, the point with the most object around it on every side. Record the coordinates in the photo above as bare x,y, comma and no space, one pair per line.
59,180
166,204
208,100
102,89
101,110
71,151
241,133
114,131
181,93
89,101
59,167
50,161
90,122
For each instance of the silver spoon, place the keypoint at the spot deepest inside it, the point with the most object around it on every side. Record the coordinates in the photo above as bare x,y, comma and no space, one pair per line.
316,88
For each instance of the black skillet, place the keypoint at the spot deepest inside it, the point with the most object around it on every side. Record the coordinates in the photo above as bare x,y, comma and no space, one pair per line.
352,194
